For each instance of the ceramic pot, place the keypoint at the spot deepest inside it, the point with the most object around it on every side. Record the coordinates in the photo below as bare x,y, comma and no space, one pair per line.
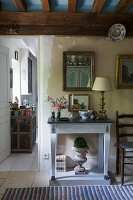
80,158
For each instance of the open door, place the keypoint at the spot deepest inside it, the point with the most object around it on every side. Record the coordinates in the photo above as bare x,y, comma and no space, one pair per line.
5,140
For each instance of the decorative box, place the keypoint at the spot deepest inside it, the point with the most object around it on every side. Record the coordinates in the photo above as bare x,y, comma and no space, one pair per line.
61,163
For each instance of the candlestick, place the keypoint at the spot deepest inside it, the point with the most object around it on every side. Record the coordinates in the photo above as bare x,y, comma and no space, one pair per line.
72,107
72,99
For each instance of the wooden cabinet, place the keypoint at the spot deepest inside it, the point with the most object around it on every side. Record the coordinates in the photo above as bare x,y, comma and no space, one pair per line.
23,133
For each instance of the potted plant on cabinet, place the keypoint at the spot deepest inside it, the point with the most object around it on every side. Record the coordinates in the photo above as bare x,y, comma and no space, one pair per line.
81,149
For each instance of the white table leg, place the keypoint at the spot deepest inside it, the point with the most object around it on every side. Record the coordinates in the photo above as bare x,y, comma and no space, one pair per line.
100,151
53,155
106,151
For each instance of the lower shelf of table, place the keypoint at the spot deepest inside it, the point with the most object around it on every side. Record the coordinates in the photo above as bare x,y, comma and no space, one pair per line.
93,177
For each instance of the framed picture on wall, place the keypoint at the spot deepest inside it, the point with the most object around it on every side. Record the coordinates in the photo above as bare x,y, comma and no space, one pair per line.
79,102
78,70
124,71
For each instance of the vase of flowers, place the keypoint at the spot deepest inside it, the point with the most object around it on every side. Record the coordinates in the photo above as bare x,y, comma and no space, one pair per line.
59,104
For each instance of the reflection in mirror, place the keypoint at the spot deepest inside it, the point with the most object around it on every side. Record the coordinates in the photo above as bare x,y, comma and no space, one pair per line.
78,70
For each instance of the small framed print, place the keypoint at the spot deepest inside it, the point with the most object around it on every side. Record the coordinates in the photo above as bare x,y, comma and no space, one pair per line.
16,55
78,102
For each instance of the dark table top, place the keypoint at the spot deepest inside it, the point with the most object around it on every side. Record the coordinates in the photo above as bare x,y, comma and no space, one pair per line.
76,120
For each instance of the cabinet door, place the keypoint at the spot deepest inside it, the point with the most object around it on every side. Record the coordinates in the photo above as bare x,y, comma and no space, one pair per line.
25,125
25,141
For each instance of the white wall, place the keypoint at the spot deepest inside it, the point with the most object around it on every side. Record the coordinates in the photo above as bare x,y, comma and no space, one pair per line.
51,83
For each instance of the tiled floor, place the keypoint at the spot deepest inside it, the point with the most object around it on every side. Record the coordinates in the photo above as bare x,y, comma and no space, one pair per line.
22,179
37,179
21,161
21,170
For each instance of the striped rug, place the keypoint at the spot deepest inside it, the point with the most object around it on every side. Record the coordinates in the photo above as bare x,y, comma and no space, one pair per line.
70,193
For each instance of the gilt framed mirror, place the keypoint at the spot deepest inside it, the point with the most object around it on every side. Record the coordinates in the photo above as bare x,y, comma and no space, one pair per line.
78,70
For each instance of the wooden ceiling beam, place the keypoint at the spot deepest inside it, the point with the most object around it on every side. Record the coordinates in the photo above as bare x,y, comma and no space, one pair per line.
45,5
97,6
20,5
72,5
63,19
38,23
56,30
123,5
50,30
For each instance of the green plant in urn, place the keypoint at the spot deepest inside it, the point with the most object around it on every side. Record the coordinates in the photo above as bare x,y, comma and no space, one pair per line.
80,148
80,142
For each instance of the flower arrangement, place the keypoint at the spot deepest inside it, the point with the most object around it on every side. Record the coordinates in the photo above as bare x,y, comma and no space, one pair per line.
60,103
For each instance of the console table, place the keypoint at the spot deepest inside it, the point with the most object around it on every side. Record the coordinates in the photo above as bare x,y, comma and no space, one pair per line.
97,176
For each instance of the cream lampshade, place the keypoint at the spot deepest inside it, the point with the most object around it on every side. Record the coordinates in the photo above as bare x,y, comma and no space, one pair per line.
102,84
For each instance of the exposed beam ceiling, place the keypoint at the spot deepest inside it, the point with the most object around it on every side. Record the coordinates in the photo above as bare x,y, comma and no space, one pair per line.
45,5
97,5
63,19
38,23
123,5
71,5
20,5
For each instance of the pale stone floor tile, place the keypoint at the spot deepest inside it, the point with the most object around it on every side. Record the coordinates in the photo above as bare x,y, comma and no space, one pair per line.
21,167
1,181
26,160
17,179
21,174
41,180
34,168
10,160
3,174
6,167
20,178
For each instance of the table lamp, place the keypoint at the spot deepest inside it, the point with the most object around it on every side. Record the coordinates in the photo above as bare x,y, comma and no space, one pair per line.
102,84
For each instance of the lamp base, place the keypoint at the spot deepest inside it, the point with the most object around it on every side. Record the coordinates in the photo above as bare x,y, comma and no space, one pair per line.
102,115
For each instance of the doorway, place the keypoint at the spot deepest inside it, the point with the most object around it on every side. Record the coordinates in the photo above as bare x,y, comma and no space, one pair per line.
23,97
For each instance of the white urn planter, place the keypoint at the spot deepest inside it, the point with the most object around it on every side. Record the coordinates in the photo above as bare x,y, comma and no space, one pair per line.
80,159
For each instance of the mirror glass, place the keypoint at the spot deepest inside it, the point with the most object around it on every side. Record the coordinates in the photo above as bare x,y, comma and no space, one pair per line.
78,70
